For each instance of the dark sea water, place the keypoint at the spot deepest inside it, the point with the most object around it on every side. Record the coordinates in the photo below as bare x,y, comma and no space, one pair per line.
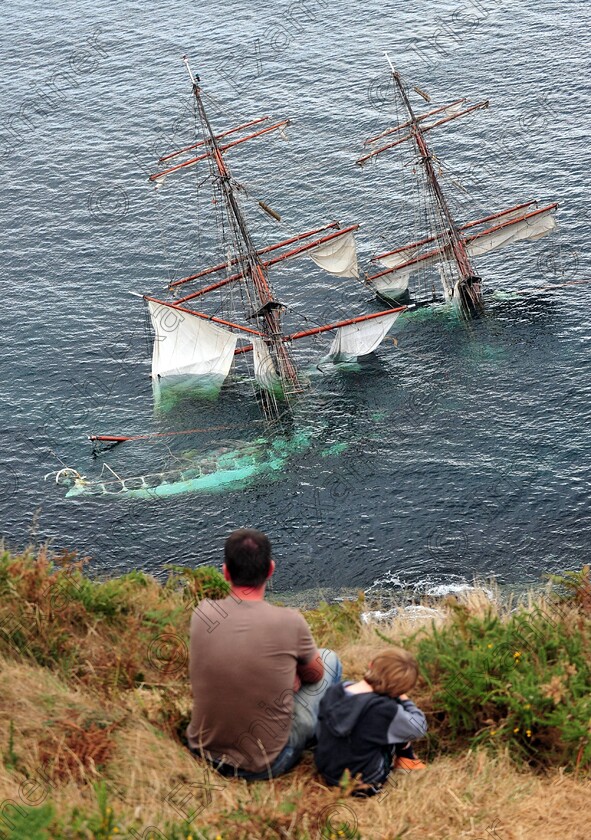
468,445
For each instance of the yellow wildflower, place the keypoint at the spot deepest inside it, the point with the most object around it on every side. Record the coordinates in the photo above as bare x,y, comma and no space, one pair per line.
493,732
527,706
517,654
516,729
528,733
489,646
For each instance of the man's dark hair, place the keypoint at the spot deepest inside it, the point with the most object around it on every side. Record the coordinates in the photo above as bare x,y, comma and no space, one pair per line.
247,553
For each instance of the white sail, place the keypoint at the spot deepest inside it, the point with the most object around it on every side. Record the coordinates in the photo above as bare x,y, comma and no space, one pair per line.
264,367
411,251
186,345
394,283
401,256
450,111
529,228
532,226
455,108
339,256
505,216
360,339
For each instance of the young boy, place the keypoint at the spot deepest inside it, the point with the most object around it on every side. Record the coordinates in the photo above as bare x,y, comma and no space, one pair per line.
362,725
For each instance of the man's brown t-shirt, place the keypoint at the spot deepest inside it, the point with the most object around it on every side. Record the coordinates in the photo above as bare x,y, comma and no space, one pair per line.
242,664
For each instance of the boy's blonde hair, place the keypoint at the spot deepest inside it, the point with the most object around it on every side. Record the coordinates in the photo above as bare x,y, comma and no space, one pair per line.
394,671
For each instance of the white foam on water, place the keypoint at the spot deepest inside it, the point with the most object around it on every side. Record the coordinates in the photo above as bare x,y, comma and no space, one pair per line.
443,589
413,612
455,585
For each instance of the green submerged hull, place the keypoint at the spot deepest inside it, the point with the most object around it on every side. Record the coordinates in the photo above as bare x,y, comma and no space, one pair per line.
216,471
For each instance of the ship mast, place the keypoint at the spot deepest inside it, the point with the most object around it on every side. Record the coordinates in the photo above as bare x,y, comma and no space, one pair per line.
266,308
201,351
468,287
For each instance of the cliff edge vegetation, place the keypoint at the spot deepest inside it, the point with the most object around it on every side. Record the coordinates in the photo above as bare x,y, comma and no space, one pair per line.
94,700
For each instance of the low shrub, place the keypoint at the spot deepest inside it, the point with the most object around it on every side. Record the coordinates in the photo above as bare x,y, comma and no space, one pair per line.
112,634
520,683
334,624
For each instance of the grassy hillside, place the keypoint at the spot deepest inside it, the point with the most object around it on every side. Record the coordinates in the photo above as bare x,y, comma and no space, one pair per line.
94,699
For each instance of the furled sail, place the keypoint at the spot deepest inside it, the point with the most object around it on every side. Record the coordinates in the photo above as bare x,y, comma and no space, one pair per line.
448,110
407,260
503,216
265,372
456,109
186,345
409,252
339,256
360,339
532,227
402,255
396,281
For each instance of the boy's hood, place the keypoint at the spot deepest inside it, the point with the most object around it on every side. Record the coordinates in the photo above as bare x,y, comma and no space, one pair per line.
343,709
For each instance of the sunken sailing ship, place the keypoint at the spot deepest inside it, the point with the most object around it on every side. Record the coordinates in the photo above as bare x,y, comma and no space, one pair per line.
191,346
190,343
450,247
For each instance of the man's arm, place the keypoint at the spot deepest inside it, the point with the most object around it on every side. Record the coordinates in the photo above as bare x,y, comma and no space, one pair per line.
312,671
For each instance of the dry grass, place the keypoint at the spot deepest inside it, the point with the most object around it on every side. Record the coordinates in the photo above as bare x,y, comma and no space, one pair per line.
97,722
149,773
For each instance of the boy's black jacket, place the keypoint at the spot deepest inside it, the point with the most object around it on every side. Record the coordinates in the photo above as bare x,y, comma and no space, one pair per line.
352,735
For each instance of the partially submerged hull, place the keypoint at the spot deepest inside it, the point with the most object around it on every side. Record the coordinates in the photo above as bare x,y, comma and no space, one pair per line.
219,470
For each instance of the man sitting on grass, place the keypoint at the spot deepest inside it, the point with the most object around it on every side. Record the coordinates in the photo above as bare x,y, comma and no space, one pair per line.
257,677
362,726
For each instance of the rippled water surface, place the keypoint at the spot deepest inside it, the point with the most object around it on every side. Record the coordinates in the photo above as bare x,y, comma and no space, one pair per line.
467,445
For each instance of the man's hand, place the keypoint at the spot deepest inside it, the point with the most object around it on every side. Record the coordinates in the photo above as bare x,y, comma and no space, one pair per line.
313,671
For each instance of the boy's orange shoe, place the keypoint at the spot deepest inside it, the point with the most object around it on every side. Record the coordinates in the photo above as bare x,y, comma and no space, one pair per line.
408,764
